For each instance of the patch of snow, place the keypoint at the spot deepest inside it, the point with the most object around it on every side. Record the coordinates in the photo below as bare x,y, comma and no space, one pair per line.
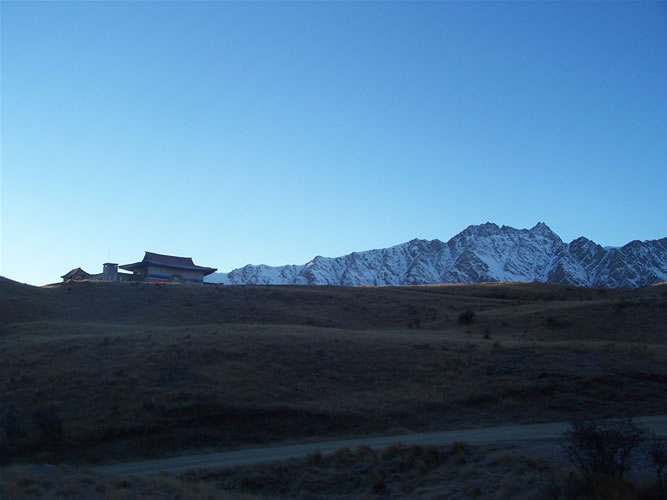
479,253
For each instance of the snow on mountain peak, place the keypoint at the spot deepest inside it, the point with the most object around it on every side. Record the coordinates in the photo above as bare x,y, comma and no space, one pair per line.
485,252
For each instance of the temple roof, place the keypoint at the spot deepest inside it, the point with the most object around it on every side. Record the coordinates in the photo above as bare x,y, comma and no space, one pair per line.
74,271
170,261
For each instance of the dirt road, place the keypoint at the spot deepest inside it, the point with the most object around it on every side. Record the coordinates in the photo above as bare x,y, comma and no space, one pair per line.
539,438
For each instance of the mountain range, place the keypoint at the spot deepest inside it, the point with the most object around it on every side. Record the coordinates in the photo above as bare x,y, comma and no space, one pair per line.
480,253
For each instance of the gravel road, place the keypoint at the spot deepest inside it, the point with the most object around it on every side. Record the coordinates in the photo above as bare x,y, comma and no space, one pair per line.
541,439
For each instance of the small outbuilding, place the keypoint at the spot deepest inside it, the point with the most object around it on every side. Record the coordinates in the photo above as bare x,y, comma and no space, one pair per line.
76,274
156,267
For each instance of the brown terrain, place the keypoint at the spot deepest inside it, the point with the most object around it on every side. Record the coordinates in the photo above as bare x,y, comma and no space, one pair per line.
97,372
400,471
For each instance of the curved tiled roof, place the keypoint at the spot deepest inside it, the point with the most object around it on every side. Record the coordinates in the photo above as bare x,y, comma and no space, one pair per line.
168,260
171,261
73,272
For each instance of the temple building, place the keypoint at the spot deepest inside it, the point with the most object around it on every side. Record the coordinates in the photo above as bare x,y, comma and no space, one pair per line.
167,268
154,267
76,274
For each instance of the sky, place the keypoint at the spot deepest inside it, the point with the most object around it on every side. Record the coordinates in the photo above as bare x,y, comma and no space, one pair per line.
271,132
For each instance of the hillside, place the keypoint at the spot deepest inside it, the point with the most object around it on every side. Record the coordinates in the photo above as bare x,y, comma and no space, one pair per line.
484,253
104,371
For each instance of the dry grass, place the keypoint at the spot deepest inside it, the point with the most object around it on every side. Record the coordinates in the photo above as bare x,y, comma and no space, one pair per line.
399,471
458,471
154,370
26,482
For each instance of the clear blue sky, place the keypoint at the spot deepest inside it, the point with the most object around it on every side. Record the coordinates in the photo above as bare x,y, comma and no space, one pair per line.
271,132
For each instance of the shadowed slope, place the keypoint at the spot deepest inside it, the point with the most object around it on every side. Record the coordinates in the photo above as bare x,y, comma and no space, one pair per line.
152,370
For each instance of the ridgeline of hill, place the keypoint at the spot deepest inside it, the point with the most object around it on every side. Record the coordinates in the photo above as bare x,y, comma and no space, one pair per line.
106,371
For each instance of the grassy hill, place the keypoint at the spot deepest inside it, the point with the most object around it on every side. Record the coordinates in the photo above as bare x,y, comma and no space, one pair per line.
107,371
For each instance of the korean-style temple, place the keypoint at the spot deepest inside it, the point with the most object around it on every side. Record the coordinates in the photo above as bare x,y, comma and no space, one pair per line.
156,267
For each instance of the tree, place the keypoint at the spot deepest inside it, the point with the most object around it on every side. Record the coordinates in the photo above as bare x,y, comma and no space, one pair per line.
659,456
603,447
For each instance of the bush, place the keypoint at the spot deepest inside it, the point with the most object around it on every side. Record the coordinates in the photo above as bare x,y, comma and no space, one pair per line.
466,317
603,447
553,322
364,451
379,485
659,456
13,424
47,421
432,455
391,452
595,487
315,458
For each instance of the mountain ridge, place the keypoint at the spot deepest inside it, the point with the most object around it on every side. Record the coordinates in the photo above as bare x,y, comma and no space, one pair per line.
480,253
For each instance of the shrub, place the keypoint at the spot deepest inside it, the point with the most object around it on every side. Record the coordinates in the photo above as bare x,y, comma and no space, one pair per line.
431,455
603,447
378,484
364,451
344,456
458,451
315,458
595,487
13,424
49,424
391,452
659,456
554,322
466,317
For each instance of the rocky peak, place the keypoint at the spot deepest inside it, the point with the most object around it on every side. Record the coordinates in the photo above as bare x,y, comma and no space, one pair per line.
479,253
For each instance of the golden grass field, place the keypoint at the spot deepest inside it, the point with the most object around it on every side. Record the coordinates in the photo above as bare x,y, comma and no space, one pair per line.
102,372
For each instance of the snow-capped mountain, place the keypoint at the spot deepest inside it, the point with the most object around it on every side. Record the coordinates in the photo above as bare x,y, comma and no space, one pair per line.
479,253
